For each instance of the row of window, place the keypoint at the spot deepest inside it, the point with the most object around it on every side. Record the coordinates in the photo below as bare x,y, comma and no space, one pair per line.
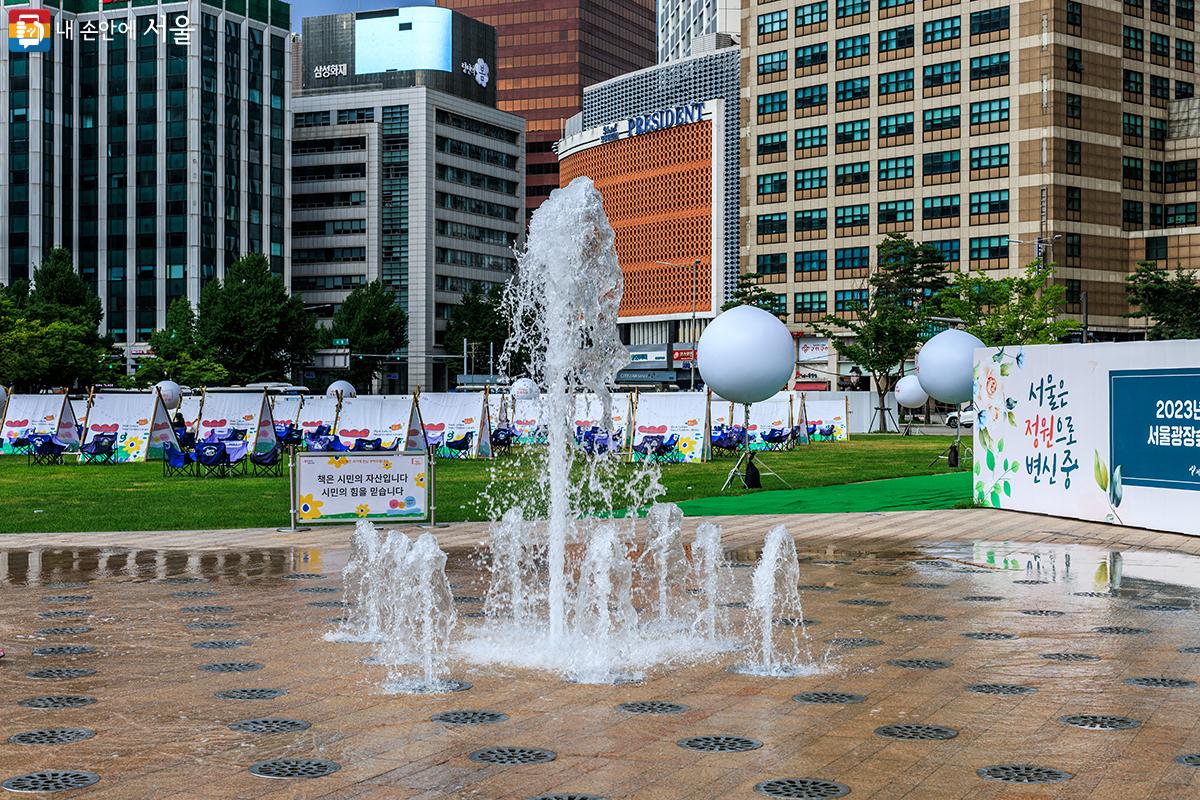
888,212
1184,9
1134,40
817,13
1134,83
1169,215
895,169
1161,172
859,258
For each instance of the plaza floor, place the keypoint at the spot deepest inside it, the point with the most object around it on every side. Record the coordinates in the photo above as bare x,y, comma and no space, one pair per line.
963,641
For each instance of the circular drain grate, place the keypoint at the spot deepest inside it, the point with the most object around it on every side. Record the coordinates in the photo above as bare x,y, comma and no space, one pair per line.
511,756
919,663
193,594
880,573
1100,722
1160,683
303,576
914,731
1092,594
982,598
569,796
652,707
206,609
719,744
270,725
470,717
1161,607
854,641
1121,630
51,701
65,585
735,604
473,615
1042,612
467,598
1031,582
65,614
989,636
1023,773
64,650
932,562
59,673
925,585
52,736
1191,649
802,788
220,644
829,698
250,694
211,626
815,587
294,768
184,580
51,780
1003,689
1189,760
865,601
1070,657
920,618
65,630
829,562
318,590
972,571
67,598
330,604
796,622
232,666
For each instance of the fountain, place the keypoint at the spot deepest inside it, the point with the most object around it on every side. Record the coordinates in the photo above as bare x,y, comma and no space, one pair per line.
708,573
663,563
775,595
364,571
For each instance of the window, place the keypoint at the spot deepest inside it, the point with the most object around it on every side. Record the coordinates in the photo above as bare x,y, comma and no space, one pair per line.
941,30
991,66
776,304
896,39
1132,169
852,216
1074,59
772,23
772,183
1160,87
1184,90
812,14
1185,51
811,220
852,8
942,74
943,163
989,248
994,202
812,96
896,125
852,174
1074,153
1074,13
771,263
853,89
1185,10
895,211
1074,245
770,63
351,116
895,169
1181,171
814,178
989,157
1156,248
942,207
1131,125
851,258
988,111
894,3
810,302
1160,7
1074,199
858,130
772,103
1132,213
940,119
1131,39
1157,215
850,299
853,47
896,82
1132,82
771,224
811,137
810,261
812,55
1158,130
312,119
994,19
769,143
948,249
1074,106
1160,44
1157,168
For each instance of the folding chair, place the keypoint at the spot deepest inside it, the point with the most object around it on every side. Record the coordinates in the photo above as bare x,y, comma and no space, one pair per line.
45,449
22,445
177,462
367,445
236,435
776,438
458,448
647,448
666,450
102,449
502,440
212,460
268,463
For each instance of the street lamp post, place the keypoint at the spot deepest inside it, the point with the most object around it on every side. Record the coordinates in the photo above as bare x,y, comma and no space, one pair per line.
695,301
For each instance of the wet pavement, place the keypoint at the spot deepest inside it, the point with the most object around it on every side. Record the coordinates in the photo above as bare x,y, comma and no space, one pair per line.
957,666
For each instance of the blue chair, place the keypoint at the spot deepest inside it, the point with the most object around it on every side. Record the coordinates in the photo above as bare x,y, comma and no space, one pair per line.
776,438
177,462
100,449
235,435
457,448
367,445
647,448
666,450
23,444
268,463
322,430
289,435
336,445
503,439
212,460
46,449
826,432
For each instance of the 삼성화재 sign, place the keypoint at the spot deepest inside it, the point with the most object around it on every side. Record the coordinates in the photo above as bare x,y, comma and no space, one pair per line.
343,487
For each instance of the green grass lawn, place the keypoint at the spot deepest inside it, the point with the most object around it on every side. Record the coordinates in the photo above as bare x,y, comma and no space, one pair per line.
137,497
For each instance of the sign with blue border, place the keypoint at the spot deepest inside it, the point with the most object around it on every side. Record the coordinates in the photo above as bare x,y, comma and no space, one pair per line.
1154,427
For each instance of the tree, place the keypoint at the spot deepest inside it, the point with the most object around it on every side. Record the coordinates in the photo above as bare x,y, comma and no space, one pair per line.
58,293
1019,309
481,321
886,330
251,324
1171,303
374,325
749,292
180,355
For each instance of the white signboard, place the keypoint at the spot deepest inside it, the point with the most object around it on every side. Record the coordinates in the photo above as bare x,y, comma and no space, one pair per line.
1107,432
811,349
344,487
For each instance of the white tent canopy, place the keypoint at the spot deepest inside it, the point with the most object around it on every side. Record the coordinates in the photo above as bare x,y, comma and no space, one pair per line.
28,415
680,418
451,417
223,412
138,420
383,417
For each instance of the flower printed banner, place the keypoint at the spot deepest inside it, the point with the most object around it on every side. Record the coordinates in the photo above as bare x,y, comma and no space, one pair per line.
680,419
1107,432
340,487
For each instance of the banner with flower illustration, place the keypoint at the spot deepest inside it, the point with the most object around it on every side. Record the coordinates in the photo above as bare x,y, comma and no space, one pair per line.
37,414
680,418
772,414
382,417
138,420
1107,432
457,424
343,487
223,413
828,420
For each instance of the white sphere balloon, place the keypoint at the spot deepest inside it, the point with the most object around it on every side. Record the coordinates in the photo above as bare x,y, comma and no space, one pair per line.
524,389
944,366
746,355
344,387
909,392
3,397
171,394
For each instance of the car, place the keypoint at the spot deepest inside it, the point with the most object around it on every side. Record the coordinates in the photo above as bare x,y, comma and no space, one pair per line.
964,417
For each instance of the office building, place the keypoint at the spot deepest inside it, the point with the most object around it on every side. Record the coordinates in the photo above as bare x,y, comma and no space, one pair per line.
151,141
547,52
686,27
995,131
404,172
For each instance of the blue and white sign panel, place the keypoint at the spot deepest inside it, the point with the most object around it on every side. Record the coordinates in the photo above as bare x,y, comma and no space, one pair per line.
1107,432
